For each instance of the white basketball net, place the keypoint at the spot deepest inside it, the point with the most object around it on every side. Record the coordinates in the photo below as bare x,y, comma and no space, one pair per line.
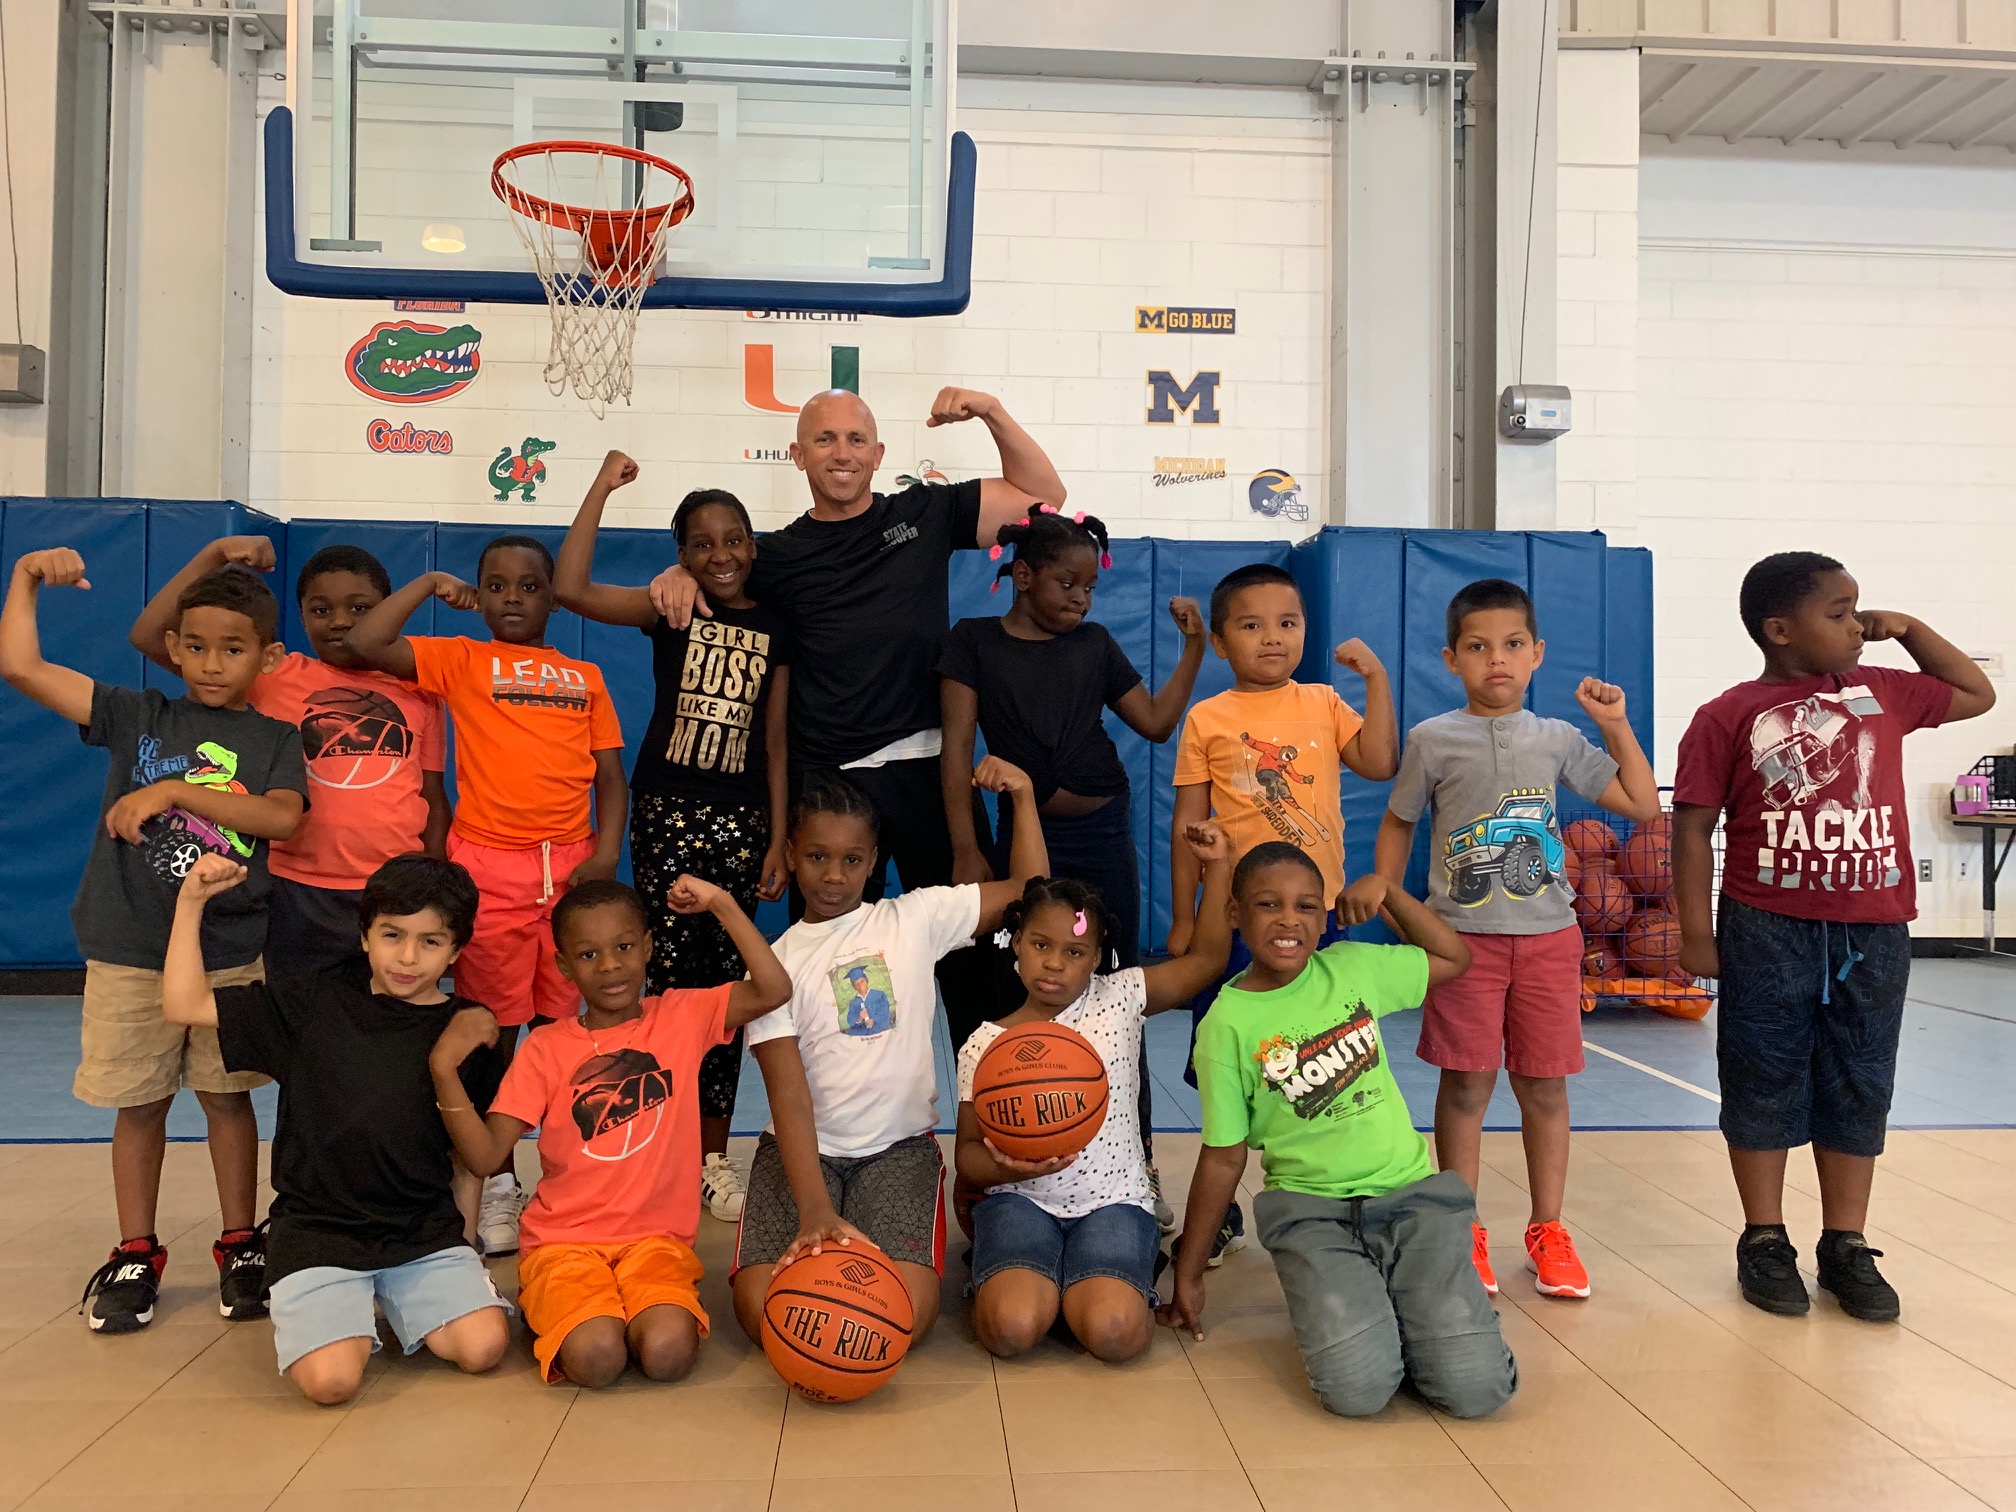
594,305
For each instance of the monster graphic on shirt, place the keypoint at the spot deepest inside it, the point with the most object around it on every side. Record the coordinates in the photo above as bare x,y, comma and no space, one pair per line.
1274,780
864,995
173,839
619,1102
1816,759
1313,1074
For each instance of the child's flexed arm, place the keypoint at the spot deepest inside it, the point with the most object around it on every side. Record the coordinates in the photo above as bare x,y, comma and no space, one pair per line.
1373,896
768,984
379,639
573,571
61,689
1633,792
1374,752
185,989
485,1144
1973,694
1027,855
1174,982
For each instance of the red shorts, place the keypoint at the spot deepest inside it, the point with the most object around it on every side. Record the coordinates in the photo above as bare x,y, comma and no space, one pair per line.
1519,1005
507,966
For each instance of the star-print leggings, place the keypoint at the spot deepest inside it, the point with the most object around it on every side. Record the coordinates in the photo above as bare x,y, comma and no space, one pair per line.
722,843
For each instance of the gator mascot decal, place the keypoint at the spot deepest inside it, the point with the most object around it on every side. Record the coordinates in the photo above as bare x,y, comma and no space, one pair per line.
522,473
407,363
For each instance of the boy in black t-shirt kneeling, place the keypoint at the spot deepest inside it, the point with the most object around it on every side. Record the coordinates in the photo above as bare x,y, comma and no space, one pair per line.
363,1207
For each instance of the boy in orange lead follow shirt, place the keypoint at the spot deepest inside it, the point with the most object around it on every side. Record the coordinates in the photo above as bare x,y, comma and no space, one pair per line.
535,736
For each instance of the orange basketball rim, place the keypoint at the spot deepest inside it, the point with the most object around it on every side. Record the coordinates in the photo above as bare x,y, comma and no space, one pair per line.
620,243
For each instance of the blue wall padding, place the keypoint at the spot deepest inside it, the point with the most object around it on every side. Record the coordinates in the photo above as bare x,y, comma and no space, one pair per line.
1627,633
1386,587
53,781
1565,573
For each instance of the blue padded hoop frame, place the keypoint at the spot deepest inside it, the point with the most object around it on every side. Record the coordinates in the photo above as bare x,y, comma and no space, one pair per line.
948,296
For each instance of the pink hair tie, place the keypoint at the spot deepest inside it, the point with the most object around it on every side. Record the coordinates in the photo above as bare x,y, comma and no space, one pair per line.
1079,517
995,586
1106,559
994,555
1079,927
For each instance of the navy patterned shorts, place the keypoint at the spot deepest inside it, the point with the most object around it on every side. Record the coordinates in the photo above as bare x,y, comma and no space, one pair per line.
1806,1031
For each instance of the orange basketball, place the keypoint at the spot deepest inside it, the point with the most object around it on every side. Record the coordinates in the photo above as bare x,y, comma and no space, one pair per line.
1040,1091
1594,842
1646,864
837,1324
1652,945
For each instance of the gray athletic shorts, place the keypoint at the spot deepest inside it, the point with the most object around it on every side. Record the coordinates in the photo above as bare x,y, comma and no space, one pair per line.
895,1197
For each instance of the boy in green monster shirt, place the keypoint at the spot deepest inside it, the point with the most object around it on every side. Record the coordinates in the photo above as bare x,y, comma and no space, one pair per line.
1371,1243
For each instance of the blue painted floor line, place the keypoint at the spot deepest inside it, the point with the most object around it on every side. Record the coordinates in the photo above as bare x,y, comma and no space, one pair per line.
1956,1068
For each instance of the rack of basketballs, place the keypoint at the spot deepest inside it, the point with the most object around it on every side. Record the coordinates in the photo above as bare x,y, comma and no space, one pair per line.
1622,876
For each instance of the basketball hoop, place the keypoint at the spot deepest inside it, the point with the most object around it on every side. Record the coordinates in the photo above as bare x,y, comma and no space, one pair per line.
595,275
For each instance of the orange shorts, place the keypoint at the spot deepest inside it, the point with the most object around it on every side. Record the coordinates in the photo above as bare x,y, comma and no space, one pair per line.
507,966
562,1286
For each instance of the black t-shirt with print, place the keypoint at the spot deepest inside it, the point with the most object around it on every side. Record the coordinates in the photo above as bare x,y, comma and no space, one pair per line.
706,739
361,1174
866,600
126,900
1040,701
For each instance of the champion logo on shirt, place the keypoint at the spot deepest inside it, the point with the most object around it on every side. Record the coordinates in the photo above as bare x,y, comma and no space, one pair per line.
619,1102
528,680
1313,1073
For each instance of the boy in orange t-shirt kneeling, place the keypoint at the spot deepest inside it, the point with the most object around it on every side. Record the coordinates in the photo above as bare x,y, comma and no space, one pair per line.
535,735
609,1274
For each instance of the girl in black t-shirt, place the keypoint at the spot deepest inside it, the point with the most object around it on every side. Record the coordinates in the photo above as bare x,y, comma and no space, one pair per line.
708,794
1036,682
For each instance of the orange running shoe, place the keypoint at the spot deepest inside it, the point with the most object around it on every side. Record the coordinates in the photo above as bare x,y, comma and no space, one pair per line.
1550,1255
1480,1256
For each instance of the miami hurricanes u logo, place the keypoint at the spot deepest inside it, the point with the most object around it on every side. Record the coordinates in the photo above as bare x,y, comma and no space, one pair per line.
759,376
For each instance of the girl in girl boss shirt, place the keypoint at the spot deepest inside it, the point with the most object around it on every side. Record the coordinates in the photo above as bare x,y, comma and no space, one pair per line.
850,1155
1077,1234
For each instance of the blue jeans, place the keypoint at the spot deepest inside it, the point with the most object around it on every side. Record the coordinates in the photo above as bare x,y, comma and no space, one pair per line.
1012,1233
1381,1290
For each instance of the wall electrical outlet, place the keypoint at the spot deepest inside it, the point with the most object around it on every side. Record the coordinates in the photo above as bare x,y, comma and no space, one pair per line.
1924,870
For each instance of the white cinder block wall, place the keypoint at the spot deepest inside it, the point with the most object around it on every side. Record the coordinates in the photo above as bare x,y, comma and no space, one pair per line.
1093,200
1825,353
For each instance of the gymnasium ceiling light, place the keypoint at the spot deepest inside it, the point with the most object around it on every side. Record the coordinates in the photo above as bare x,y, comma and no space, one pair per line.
442,236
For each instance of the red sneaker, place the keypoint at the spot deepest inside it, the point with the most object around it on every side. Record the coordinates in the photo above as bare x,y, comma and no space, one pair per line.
1480,1256
1550,1255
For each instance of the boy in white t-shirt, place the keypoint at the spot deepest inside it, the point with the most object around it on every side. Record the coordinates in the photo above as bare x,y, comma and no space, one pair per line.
848,1064
1077,1234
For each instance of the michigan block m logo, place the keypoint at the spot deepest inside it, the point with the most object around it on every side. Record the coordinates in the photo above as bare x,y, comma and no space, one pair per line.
1166,397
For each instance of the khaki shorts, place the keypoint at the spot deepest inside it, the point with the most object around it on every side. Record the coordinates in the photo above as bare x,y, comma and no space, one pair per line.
134,1056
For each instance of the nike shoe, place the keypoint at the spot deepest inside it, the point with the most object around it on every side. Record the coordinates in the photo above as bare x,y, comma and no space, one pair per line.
122,1292
1231,1236
241,1273
1480,1256
1557,1269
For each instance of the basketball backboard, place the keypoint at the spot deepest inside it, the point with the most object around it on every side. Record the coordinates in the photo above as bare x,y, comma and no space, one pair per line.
826,175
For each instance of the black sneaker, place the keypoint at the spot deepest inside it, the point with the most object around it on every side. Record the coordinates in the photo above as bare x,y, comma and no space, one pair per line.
122,1292
1767,1269
1848,1269
1231,1236
241,1274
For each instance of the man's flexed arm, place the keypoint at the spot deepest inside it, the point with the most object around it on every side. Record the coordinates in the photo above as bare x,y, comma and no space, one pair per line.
1027,475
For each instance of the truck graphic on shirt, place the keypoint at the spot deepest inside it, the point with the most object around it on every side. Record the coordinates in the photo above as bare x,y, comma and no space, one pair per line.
1518,844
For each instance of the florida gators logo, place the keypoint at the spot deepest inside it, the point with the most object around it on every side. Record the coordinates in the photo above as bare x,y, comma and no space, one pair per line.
408,363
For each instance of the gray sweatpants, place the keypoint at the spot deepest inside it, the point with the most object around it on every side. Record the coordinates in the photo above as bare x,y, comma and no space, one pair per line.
1381,1290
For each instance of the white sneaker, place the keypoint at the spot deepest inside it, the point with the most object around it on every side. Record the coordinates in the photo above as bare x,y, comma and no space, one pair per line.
497,1218
721,1186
